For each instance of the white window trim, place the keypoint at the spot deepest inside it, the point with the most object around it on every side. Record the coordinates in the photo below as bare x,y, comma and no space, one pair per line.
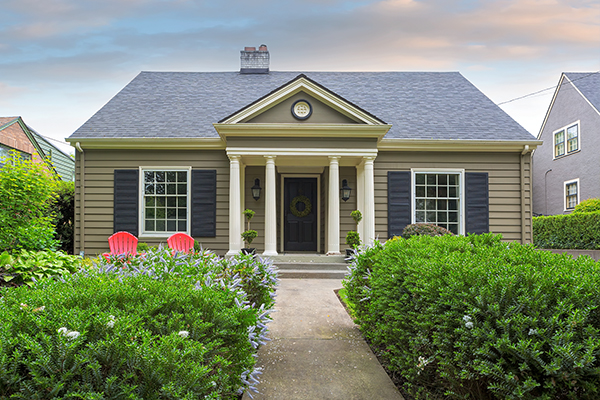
461,192
564,128
141,224
565,193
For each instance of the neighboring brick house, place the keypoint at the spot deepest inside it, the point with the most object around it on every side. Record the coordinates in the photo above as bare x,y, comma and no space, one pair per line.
185,151
566,167
16,135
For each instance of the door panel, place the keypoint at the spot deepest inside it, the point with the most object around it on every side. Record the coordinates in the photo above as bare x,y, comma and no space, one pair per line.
300,231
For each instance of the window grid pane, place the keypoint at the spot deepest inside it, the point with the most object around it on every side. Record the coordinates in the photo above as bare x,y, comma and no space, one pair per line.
572,139
165,201
559,143
571,195
436,200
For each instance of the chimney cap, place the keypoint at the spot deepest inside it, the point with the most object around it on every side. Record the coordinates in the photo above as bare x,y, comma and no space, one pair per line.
254,62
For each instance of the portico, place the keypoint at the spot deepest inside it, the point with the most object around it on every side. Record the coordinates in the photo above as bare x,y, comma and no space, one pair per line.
275,168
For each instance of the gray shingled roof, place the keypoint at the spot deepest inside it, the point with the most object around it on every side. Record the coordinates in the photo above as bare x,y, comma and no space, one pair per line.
419,105
588,84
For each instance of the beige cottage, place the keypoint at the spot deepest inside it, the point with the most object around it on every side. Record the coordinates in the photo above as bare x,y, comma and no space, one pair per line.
181,152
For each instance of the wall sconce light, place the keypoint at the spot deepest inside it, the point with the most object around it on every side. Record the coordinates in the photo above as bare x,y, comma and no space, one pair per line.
345,190
256,189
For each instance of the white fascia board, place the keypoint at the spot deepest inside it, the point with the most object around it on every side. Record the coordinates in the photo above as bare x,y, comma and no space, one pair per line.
303,84
581,94
560,81
457,145
302,130
261,151
148,143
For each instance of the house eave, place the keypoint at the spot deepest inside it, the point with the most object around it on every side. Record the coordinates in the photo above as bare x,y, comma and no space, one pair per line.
457,145
148,143
302,130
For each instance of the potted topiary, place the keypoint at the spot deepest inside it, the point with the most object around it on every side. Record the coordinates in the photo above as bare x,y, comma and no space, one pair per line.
352,237
249,235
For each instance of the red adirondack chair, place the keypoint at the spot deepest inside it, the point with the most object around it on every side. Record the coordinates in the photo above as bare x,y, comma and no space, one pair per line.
181,242
122,243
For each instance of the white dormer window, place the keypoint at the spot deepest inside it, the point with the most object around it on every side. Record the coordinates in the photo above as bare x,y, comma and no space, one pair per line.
566,140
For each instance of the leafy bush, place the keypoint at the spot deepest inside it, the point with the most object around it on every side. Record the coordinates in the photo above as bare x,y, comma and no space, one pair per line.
356,216
353,239
28,266
64,215
26,194
573,231
457,317
142,247
424,229
161,327
257,277
249,236
589,205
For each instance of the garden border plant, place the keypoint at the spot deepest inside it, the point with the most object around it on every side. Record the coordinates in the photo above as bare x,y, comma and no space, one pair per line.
160,326
474,317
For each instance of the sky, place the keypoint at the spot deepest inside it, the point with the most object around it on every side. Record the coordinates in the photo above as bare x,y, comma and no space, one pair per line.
62,60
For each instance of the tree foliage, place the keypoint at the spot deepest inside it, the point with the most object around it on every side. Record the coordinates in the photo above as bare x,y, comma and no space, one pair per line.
64,217
27,190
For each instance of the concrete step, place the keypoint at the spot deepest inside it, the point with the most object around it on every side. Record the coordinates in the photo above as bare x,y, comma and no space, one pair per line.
311,274
311,270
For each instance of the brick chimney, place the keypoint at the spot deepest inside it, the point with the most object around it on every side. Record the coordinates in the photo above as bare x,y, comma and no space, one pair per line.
254,61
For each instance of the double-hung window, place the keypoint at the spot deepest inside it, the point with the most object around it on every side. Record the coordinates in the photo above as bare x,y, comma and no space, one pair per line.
566,140
437,199
165,200
571,194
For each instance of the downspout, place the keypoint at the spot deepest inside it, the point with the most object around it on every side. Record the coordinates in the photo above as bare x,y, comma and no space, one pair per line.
81,199
523,213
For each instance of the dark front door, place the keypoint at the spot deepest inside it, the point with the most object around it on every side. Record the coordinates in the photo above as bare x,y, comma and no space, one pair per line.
300,211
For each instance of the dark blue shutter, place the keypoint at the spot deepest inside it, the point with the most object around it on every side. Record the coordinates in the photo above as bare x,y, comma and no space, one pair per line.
204,203
477,204
126,215
399,213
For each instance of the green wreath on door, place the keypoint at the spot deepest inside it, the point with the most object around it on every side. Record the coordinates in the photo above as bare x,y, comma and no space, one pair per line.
307,206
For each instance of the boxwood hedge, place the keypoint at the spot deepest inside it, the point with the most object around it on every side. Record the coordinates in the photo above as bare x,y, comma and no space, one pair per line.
457,317
572,231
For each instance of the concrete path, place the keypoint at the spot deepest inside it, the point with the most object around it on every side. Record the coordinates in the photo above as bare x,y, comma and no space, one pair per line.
316,351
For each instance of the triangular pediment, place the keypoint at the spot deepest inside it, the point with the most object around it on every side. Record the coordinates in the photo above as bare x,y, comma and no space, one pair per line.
319,106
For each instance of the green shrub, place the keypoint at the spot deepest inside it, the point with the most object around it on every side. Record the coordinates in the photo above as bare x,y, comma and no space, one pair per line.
26,267
589,205
249,236
142,247
156,327
64,215
573,231
26,195
257,277
353,239
457,317
424,229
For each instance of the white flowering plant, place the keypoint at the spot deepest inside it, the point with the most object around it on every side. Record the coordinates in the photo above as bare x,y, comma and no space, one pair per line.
476,317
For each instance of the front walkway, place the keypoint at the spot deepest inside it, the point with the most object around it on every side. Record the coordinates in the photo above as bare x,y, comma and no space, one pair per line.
316,351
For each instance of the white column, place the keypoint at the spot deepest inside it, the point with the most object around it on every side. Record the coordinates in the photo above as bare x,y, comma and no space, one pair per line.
333,220
369,201
360,196
270,208
235,204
